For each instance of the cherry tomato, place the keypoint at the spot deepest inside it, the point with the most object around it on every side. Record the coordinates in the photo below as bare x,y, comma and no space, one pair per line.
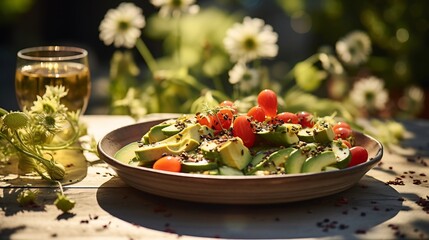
287,117
342,133
242,128
267,99
257,113
223,119
204,120
359,155
229,104
168,163
347,143
305,119
341,125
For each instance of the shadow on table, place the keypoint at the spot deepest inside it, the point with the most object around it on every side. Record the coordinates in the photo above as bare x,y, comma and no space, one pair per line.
345,214
419,141
10,206
73,160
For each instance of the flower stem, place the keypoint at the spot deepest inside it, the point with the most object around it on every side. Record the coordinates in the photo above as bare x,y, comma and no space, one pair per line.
76,130
178,41
47,163
61,187
147,56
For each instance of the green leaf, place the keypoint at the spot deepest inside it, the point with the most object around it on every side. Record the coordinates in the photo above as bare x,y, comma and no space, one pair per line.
27,197
64,204
308,77
16,120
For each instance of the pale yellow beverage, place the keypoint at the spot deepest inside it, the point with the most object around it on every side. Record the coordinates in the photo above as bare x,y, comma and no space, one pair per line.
30,81
53,65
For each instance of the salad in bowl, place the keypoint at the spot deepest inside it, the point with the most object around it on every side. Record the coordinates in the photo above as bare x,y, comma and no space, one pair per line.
263,141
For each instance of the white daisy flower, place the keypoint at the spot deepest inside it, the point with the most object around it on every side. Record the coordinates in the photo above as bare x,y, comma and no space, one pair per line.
236,73
175,7
246,78
251,40
354,48
48,113
47,105
55,91
122,26
369,93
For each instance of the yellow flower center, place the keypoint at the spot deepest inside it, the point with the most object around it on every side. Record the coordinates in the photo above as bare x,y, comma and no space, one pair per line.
249,43
123,25
176,3
50,121
370,97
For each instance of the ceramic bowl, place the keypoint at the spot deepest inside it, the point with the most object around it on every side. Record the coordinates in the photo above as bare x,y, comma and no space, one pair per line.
232,189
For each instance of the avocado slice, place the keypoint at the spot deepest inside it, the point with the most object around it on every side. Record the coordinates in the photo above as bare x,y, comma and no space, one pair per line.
306,135
280,157
127,153
230,171
155,133
342,154
275,162
156,151
298,156
318,162
329,168
187,140
258,161
198,166
323,132
323,135
234,154
171,130
209,150
282,135
295,161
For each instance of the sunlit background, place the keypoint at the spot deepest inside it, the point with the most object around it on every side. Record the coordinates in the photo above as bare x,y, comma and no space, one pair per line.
398,29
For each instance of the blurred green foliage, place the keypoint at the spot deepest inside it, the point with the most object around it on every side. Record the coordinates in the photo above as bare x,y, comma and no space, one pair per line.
10,9
398,30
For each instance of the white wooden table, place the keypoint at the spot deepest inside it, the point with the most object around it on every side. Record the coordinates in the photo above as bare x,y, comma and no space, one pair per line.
391,201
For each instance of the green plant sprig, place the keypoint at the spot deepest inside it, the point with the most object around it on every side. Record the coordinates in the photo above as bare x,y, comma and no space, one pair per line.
32,135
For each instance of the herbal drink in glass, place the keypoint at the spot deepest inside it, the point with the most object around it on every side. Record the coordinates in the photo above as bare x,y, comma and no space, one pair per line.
53,65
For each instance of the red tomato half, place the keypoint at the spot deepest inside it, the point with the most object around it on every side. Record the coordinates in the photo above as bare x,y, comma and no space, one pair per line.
267,99
359,155
287,117
204,120
257,113
223,119
347,143
168,163
230,105
342,133
242,128
341,125
305,119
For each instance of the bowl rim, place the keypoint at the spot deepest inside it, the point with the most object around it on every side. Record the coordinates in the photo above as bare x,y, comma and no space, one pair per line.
110,160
